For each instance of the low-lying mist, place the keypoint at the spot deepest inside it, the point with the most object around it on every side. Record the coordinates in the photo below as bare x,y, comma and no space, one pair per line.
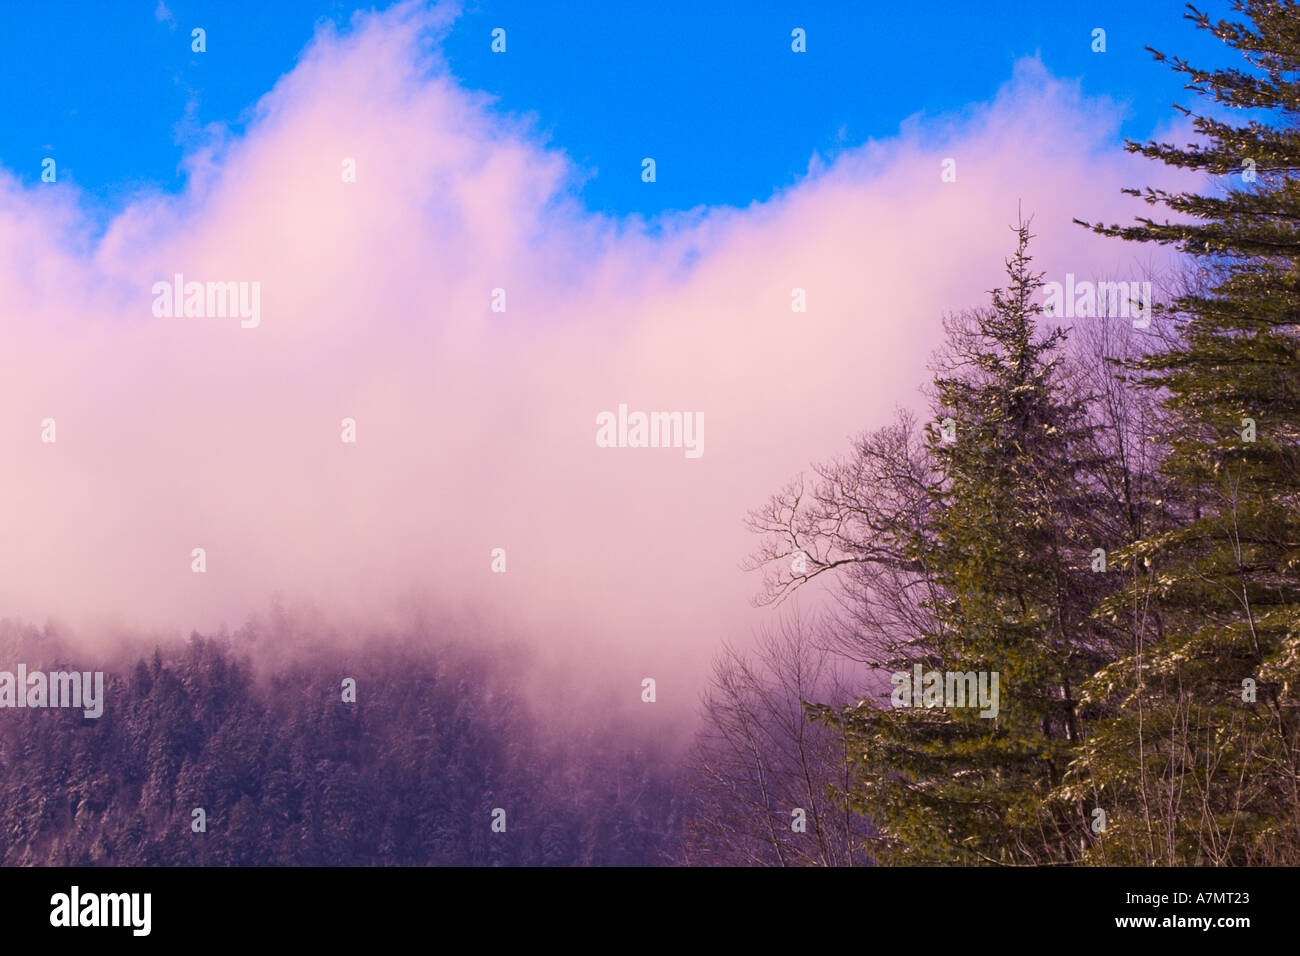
272,745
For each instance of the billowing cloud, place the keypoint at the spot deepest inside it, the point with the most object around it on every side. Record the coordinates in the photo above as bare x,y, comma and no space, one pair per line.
476,429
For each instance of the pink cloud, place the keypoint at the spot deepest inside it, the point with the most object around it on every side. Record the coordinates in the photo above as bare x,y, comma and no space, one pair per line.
476,429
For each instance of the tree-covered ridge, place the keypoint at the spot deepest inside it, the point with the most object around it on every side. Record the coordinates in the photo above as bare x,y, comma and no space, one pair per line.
288,773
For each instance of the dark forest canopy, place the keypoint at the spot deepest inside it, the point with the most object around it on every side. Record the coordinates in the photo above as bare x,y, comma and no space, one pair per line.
286,772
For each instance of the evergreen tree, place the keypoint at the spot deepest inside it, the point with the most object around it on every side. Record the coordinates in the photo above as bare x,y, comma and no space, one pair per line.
1189,767
1006,546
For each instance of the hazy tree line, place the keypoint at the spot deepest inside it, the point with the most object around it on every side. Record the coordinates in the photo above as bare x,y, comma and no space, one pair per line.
1110,520
287,772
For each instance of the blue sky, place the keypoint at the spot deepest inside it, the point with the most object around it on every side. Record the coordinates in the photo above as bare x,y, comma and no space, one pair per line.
730,114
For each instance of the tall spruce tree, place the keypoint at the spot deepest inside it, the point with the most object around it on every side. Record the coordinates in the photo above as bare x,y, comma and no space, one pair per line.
1197,759
1007,547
